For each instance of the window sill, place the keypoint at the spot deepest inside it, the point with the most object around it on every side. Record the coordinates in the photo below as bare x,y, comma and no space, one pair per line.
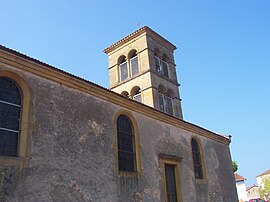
128,174
9,161
201,181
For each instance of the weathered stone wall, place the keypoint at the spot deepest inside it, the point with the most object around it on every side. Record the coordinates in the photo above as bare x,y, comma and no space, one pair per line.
72,154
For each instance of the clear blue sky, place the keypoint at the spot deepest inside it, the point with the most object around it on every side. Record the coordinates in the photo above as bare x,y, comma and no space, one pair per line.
223,56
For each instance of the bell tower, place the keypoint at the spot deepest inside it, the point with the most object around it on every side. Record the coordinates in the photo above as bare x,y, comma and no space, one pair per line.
142,67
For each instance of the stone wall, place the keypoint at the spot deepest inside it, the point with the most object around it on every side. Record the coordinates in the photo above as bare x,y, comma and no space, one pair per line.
72,155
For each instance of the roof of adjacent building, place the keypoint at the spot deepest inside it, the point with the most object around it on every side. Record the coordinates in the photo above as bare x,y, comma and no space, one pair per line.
264,173
247,189
238,177
138,32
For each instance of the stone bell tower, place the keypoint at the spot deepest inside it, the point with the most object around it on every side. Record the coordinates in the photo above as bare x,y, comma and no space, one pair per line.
142,67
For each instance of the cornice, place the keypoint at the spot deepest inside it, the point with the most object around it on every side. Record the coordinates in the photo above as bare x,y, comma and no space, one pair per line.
38,68
149,32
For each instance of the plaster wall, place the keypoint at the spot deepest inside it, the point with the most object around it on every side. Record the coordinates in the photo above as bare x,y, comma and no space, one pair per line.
241,191
260,180
72,156
253,193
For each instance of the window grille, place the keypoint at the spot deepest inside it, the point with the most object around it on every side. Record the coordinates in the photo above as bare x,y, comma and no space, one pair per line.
165,104
161,102
134,66
161,67
169,105
170,183
165,68
126,145
196,159
123,67
138,97
157,64
10,112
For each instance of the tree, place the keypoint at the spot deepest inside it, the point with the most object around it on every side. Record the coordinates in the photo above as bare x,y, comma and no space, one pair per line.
264,188
234,166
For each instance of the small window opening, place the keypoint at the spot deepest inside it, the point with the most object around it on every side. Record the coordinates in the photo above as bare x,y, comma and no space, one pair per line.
134,67
161,65
125,94
136,94
165,101
123,68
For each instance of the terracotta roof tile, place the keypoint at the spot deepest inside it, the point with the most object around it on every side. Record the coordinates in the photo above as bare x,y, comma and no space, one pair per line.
264,173
238,177
251,187
135,34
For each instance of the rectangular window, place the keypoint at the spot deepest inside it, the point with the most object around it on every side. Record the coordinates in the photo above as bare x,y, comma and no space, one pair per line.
134,66
123,71
170,167
170,183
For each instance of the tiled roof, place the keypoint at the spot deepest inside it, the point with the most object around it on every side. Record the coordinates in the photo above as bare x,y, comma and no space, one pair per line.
135,34
264,173
251,187
238,177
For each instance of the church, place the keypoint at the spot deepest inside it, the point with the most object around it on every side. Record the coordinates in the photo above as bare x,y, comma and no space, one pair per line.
66,139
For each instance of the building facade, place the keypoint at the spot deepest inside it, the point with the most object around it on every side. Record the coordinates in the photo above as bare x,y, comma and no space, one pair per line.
241,187
63,138
261,182
253,192
142,67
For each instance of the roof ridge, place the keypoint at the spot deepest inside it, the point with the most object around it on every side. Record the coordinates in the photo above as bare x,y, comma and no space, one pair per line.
134,34
264,173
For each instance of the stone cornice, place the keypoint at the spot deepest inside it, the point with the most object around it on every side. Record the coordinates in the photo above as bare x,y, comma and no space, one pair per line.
149,32
38,68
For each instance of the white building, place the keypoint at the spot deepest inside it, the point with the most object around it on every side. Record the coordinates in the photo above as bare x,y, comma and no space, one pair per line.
241,187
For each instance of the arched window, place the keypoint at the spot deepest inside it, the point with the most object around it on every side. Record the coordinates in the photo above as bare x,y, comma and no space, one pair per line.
136,94
157,64
125,94
164,66
128,66
169,102
165,100
133,63
10,114
126,145
197,162
123,68
161,65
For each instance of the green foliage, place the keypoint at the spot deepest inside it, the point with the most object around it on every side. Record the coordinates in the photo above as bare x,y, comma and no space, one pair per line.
234,166
266,190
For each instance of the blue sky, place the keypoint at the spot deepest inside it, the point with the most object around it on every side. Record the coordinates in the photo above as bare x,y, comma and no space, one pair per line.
223,56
